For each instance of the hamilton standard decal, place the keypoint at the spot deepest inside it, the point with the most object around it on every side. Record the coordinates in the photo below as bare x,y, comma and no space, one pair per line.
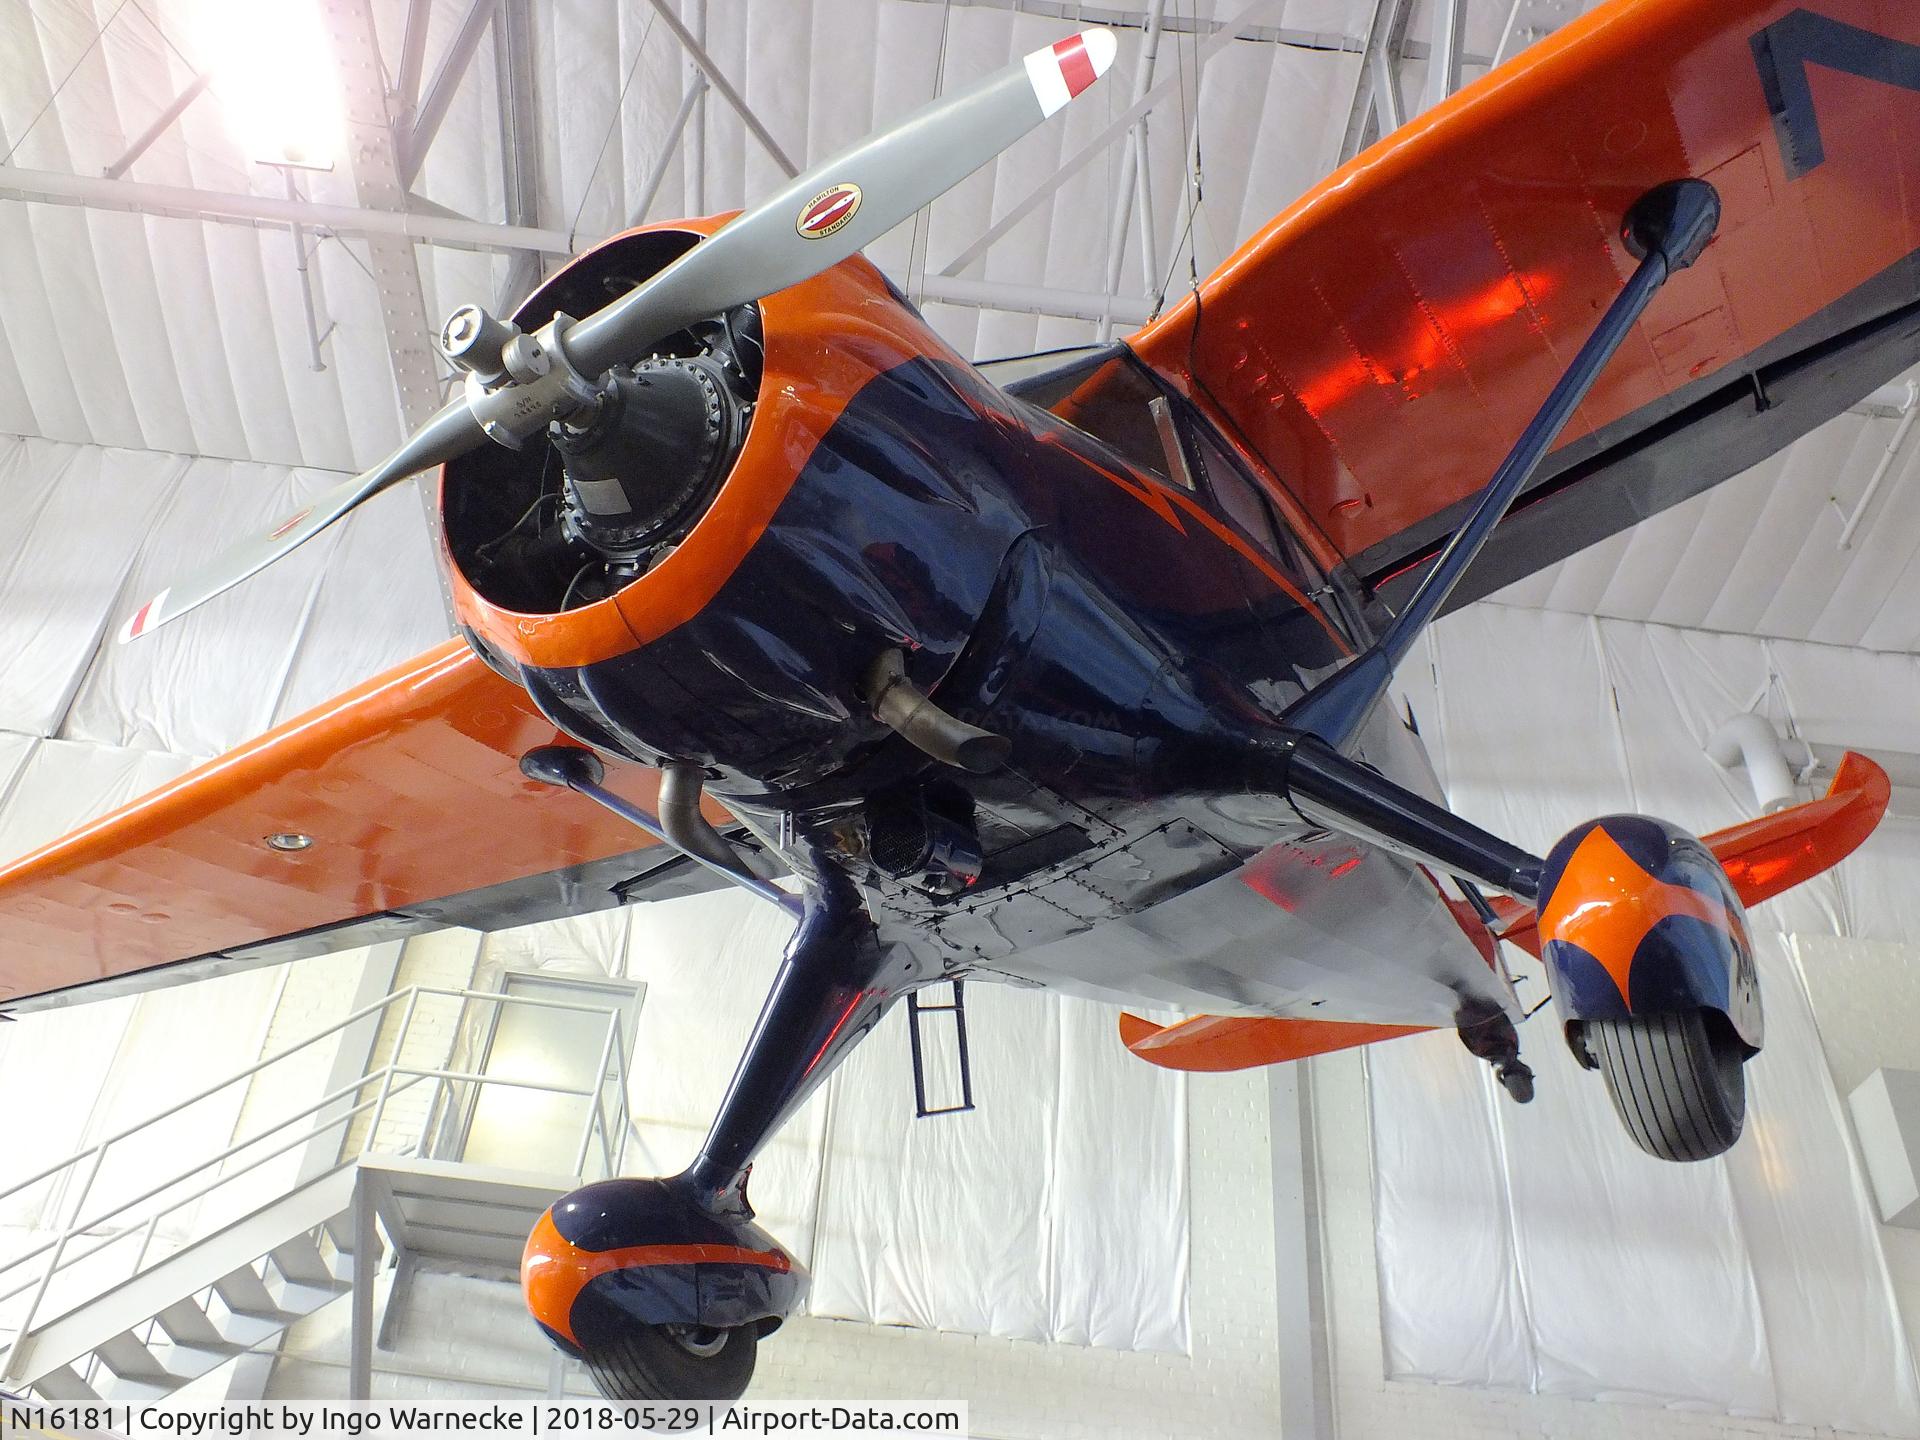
828,212
286,526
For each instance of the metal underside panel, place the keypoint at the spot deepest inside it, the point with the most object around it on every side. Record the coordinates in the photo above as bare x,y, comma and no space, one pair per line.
1318,927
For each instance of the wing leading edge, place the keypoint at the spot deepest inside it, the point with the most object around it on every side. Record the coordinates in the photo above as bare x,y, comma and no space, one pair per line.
409,790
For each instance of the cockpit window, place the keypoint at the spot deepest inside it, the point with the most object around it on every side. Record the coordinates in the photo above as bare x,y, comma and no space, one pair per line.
1243,502
1108,394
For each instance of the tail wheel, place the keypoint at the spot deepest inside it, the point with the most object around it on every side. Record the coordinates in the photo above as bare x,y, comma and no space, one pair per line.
1676,1080
672,1362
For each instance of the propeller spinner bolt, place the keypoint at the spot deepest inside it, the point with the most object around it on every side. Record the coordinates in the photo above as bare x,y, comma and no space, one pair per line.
476,342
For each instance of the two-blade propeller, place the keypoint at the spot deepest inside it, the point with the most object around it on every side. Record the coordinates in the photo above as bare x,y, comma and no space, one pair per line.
819,219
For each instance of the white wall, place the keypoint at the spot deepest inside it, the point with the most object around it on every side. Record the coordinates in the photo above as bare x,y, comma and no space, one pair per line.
464,1338
1866,1001
1539,720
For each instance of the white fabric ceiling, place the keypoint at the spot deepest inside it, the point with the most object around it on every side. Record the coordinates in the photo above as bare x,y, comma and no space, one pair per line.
187,336
175,334
1761,554
85,529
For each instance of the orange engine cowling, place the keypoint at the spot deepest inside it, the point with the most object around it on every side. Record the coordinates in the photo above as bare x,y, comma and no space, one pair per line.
1638,917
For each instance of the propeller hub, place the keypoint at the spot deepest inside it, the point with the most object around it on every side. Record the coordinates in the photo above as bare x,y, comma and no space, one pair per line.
476,343
650,454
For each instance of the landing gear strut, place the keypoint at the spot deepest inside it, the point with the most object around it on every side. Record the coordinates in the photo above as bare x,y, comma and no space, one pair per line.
664,1287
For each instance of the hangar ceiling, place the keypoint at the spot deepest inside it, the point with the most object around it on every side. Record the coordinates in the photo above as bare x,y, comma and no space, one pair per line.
131,316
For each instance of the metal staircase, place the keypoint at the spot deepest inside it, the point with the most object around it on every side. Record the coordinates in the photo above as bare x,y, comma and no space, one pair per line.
223,1256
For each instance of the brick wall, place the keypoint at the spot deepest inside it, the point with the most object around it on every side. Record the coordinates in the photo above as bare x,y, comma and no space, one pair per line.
444,960
318,992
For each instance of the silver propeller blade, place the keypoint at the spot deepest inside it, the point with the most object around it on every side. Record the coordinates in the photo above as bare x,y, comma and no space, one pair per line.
818,220
450,433
840,206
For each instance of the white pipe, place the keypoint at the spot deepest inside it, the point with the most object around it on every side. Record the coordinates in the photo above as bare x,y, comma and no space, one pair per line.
1880,473
1131,171
1748,740
101,193
1896,398
1032,299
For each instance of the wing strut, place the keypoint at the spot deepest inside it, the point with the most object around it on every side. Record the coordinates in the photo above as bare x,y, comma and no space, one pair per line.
1667,228
569,767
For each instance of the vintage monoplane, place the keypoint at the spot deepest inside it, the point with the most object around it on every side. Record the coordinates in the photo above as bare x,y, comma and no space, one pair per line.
1072,672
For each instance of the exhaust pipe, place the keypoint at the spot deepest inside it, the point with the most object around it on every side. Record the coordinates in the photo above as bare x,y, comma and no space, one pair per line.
910,712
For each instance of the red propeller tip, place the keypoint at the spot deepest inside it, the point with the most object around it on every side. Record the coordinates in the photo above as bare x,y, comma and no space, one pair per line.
1069,66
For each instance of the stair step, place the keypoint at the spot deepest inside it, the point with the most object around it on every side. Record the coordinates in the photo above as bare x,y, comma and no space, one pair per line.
300,1263
187,1324
190,1362
340,1231
210,1295
128,1356
298,1300
135,1392
63,1383
245,1293
243,1332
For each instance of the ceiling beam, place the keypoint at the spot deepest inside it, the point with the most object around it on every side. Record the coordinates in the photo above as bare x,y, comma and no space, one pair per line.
1377,108
698,53
1119,126
519,141
175,109
372,145
1448,19
695,168
413,61
425,123
1032,300
696,87
180,202
1135,175
381,153
1075,13
99,193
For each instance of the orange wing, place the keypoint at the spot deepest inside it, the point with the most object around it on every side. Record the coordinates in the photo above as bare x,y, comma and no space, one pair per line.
1382,342
1240,1042
1762,857
1776,852
410,790
1773,853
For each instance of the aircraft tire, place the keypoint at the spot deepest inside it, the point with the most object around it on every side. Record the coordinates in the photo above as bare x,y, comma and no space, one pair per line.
670,1362
1676,1080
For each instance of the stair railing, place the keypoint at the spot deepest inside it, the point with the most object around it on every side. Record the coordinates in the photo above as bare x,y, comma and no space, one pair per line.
82,1239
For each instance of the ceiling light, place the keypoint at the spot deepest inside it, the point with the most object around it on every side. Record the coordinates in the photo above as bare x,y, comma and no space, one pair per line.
273,69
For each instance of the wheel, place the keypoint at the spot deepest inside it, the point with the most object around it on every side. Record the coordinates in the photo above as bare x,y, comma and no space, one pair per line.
672,1362
1676,1080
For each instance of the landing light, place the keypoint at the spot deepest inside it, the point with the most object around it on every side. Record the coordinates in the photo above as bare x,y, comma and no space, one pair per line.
272,66
289,841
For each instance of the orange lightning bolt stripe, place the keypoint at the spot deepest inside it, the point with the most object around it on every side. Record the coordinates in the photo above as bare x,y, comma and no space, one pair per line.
555,1270
1606,903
